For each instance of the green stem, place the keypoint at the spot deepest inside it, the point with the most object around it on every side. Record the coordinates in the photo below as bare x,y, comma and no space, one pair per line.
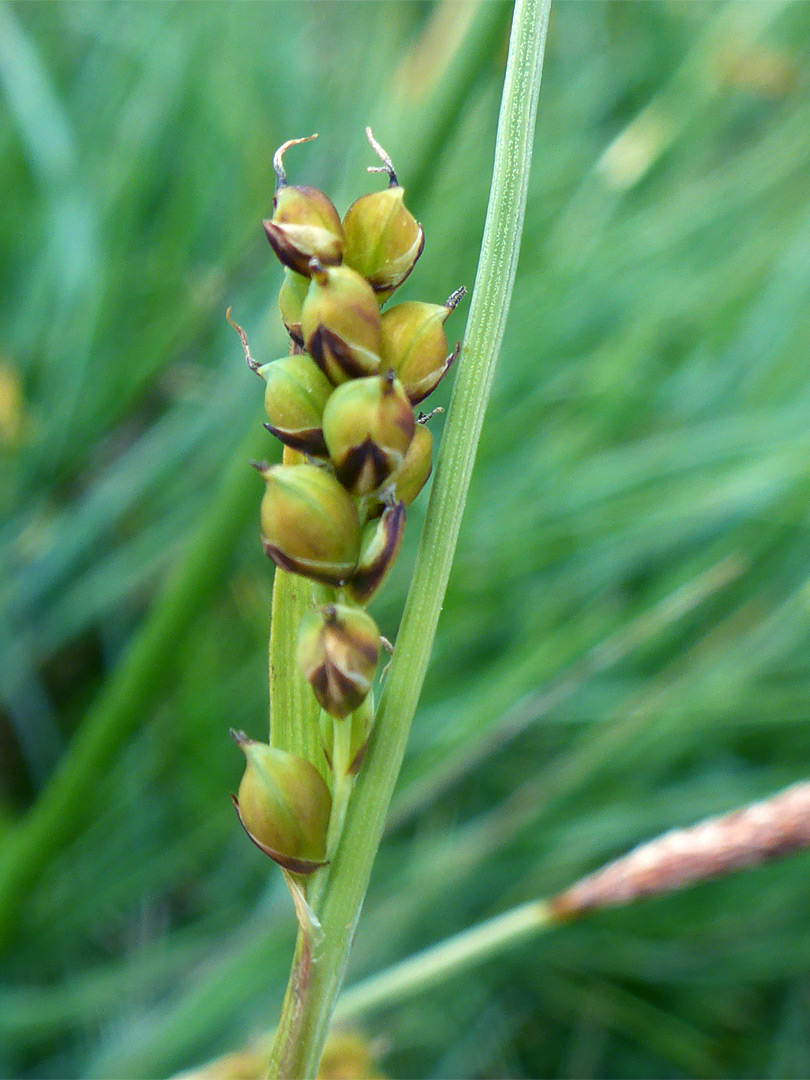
315,980
341,762
341,793
293,709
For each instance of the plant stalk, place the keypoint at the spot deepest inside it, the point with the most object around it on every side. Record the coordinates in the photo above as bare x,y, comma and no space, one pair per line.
448,958
317,973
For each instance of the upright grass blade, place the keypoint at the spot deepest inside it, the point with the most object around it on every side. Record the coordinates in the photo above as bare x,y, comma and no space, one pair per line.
316,976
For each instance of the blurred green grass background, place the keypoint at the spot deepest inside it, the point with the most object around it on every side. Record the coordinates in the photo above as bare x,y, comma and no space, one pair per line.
624,645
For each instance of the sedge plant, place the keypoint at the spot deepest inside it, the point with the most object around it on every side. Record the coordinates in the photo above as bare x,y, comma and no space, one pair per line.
356,453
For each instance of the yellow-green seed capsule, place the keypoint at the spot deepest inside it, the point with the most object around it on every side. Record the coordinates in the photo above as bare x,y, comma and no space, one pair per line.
378,553
383,239
290,302
340,322
416,466
410,477
283,805
415,345
294,399
368,425
309,523
305,224
338,649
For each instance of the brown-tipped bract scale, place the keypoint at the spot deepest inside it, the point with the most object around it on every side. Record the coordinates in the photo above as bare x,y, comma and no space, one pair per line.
340,322
338,649
415,345
368,425
283,805
378,553
291,298
383,239
305,224
310,524
294,399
